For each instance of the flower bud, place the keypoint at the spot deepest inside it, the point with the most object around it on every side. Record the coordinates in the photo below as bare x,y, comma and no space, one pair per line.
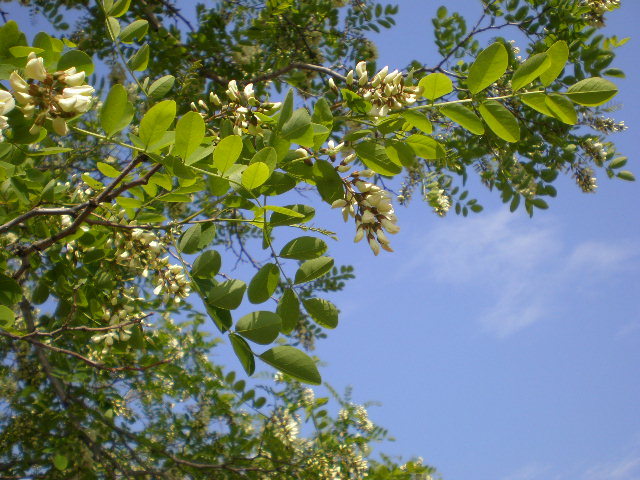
350,78
361,69
339,203
375,247
332,84
60,126
7,103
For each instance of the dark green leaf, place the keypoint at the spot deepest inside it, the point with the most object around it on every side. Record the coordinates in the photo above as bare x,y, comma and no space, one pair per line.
243,352
260,327
312,269
293,362
374,156
207,264
304,248
289,310
464,117
322,311
264,283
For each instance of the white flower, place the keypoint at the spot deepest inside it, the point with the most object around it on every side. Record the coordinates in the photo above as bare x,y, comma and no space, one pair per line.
35,68
18,83
76,99
7,103
23,98
248,91
74,79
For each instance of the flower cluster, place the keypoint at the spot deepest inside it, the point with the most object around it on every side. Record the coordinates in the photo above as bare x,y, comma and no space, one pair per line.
386,91
437,198
595,150
57,96
607,125
597,10
285,426
142,250
585,180
119,316
244,110
7,103
371,207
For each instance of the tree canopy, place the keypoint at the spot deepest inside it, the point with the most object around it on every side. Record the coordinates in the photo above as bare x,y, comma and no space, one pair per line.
147,149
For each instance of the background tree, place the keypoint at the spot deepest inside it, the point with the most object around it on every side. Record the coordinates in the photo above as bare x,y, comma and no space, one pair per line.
103,207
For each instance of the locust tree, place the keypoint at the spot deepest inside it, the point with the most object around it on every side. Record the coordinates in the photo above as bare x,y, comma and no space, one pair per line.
147,148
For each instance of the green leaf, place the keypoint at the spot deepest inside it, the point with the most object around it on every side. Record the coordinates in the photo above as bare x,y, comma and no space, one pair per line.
264,283
537,101
220,317
279,219
529,70
618,162
128,202
113,27
626,175
558,54
133,31
227,152
400,153
260,327
61,462
120,8
243,352
161,86
78,59
116,112
312,269
304,248
207,264
287,109
463,116
23,51
227,295
156,122
322,113
10,291
418,120
297,125
139,60
284,211
500,120
488,67
293,362
107,170
426,147
7,317
435,85
289,310
190,131
374,156
322,311
592,92
196,237
328,181
255,175
562,108
268,156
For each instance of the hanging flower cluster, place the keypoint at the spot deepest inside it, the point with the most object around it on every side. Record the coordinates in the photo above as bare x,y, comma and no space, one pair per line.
7,103
244,110
386,91
595,150
142,250
437,198
57,96
585,179
371,207
597,9
120,312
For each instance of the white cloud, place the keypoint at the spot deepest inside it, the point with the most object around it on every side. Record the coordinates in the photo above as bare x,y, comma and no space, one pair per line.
625,469
522,267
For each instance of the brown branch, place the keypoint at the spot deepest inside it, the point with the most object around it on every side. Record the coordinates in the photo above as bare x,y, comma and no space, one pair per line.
301,66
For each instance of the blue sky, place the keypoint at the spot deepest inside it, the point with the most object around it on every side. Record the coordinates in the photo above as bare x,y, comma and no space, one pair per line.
501,347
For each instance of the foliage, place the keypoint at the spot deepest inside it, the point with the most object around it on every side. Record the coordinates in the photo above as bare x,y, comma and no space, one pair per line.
125,212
